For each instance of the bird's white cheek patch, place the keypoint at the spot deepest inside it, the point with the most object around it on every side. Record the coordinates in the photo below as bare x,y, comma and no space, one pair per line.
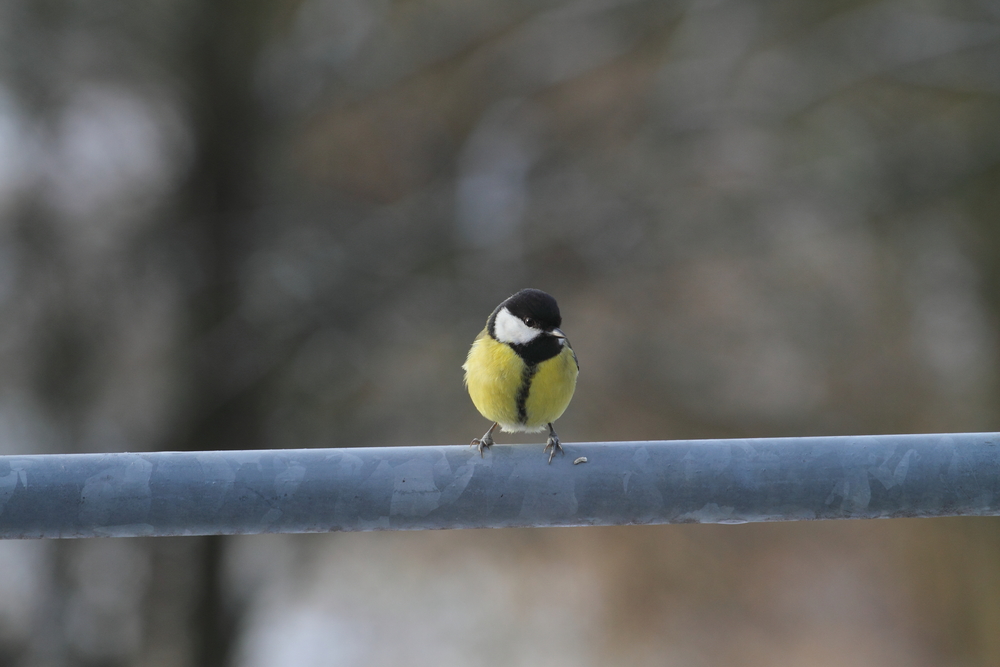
510,329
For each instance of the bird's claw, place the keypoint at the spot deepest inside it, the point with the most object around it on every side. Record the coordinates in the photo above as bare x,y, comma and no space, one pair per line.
482,443
551,445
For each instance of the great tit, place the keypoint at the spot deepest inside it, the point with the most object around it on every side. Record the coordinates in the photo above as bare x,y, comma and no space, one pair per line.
521,371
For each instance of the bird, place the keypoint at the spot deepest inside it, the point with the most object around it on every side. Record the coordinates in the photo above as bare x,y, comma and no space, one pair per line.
521,371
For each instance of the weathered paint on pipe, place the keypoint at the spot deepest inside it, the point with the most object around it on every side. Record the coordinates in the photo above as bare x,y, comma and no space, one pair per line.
404,488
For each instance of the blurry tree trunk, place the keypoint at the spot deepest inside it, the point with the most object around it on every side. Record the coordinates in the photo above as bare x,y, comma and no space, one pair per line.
221,412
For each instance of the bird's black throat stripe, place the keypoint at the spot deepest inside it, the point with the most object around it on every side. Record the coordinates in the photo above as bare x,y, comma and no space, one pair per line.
527,375
542,347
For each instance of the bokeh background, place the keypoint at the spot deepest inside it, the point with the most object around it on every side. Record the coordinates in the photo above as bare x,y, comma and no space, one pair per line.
254,224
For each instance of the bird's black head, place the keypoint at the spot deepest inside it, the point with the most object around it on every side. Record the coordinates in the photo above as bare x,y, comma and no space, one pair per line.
535,308
529,322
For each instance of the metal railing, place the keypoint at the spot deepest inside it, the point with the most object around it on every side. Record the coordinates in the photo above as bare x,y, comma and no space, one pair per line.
404,488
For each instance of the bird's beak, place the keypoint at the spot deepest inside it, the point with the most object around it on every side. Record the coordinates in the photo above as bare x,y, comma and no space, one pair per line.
557,333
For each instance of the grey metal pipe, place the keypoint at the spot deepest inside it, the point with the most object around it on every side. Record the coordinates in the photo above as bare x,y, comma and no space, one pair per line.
400,488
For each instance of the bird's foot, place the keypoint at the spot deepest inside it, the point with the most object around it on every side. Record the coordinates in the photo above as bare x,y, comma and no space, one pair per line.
552,444
484,442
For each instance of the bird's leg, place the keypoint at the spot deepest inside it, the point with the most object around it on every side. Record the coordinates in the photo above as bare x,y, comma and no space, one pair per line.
553,442
486,441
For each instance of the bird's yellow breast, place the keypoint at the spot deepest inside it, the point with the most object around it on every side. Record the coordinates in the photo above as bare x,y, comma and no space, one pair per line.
520,398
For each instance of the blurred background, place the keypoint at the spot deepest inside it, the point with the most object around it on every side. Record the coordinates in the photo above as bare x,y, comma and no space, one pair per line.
280,224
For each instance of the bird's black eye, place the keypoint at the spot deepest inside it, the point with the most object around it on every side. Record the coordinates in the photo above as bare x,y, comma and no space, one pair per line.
530,322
